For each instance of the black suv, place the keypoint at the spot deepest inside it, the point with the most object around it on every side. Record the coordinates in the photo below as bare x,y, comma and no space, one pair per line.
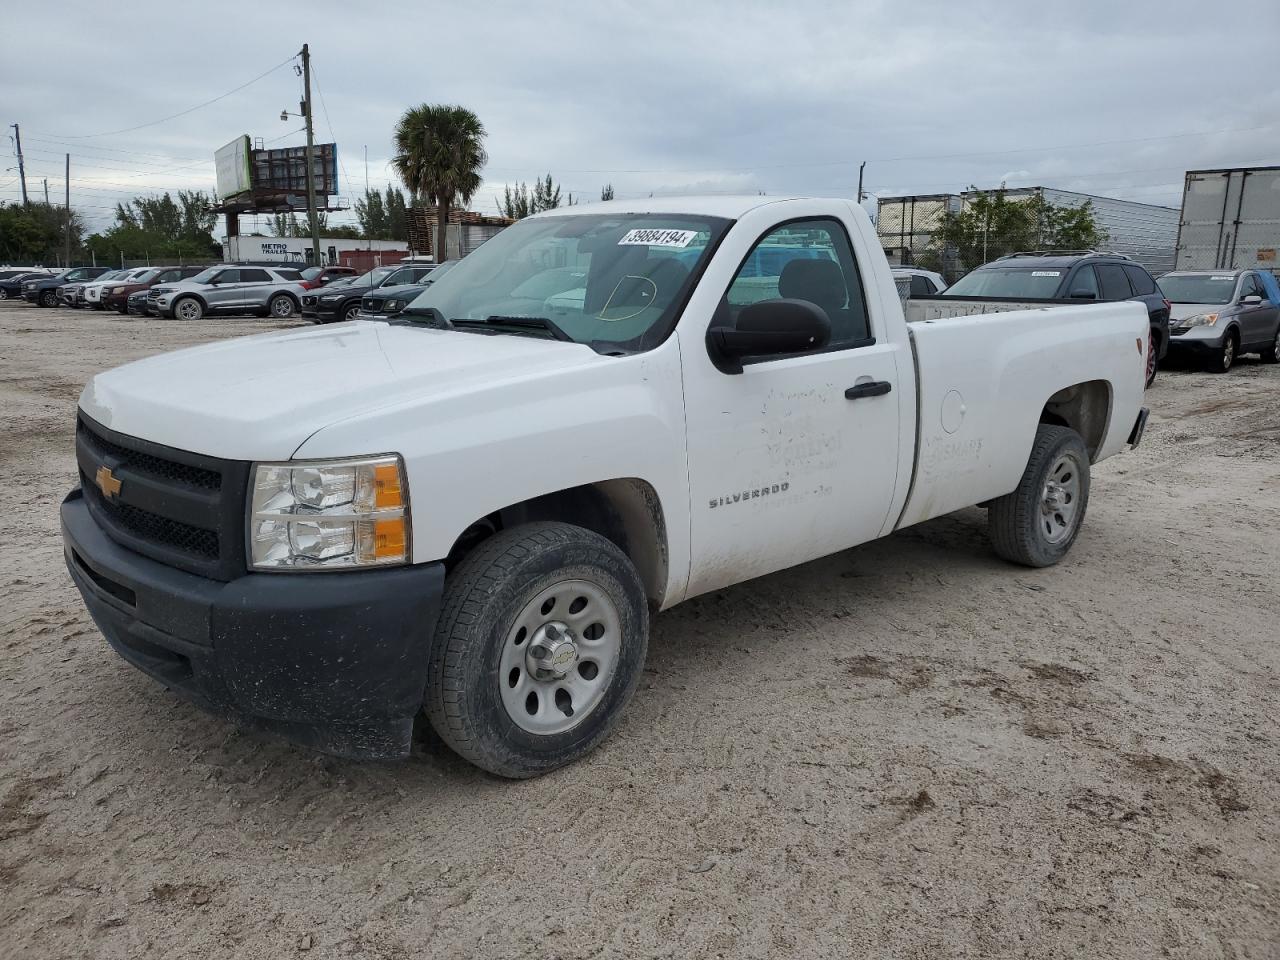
1072,277
44,292
340,300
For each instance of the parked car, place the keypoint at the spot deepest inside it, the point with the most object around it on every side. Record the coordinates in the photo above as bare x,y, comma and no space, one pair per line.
11,287
44,291
914,282
1220,314
342,302
332,534
137,303
267,291
315,277
1040,279
12,273
116,296
85,293
390,299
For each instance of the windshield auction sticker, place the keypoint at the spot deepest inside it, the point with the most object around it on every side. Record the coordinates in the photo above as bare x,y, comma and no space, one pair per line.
658,238
1046,273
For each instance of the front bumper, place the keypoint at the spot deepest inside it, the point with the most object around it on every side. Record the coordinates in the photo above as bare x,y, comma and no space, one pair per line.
323,312
335,661
1197,341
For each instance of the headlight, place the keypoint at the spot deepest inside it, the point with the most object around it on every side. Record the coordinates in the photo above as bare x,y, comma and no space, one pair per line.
332,298
329,515
391,306
1200,320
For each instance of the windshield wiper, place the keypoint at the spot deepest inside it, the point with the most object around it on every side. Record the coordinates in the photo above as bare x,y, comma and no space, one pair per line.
521,323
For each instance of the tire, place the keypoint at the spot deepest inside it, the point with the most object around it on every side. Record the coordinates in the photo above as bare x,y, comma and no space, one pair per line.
4,294
281,307
188,308
497,604
47,298
1225,358
1153,356
1271,354
351,312
1024,526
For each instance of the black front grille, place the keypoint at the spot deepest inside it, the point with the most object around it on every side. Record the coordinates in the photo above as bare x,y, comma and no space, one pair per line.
370,305
181,508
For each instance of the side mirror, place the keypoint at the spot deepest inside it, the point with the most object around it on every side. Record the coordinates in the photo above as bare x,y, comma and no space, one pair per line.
1252,300
1083,295
766,328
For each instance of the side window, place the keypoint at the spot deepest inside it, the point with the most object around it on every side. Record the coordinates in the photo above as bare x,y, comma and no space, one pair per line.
1140,280
169,276
284,274
1084,283
920,286
254,276
228,276
804,260
1250,287
1115,286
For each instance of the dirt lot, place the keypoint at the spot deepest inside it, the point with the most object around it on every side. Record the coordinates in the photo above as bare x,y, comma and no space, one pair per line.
908,750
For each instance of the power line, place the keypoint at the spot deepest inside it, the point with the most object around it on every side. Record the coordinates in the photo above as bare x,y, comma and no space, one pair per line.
181,113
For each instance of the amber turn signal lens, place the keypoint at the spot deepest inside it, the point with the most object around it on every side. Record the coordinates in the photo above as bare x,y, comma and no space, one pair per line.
386,486
388,539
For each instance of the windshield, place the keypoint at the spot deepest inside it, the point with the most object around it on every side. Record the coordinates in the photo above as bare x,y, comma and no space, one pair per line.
1008,283
145,275
204,276
600,278
1198,287
312,272
373,278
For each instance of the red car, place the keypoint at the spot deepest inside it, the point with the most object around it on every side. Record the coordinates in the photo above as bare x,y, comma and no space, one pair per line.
116,296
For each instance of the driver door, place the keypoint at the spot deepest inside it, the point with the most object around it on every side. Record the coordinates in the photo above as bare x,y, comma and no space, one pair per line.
225,291
796,457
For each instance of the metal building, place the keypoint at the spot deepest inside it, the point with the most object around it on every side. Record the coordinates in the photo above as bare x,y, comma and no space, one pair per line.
1230,219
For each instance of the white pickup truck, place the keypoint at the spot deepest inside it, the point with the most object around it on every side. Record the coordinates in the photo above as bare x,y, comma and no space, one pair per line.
472,510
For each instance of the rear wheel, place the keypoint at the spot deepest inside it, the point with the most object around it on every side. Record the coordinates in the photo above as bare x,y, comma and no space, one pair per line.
540,644
1223,360
281,306
1153,356
1037,523
1271,354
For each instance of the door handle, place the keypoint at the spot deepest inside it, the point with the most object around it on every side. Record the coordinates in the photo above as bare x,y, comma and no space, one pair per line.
872,388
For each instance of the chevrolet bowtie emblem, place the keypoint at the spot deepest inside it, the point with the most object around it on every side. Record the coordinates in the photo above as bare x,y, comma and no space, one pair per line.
107,482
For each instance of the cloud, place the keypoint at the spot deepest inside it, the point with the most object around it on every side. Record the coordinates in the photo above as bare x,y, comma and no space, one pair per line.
661,97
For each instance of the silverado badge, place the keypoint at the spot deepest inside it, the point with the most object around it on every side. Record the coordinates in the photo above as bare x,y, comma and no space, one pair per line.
107,482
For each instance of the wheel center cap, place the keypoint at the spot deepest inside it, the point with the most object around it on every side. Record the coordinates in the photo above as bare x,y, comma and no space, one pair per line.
553,651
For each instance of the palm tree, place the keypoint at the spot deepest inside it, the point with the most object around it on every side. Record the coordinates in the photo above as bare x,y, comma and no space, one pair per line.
439,155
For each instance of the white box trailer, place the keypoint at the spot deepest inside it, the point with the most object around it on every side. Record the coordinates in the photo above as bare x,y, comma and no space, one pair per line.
1230,220
297,250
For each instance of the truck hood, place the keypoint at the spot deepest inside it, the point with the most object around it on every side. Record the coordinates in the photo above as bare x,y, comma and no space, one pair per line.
259,398
1180,311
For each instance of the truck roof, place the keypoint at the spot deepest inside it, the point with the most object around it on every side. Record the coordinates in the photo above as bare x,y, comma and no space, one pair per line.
731,207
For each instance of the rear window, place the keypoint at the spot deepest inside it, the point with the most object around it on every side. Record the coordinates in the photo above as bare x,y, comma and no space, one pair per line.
289,274
1115,286
1008,283
1140,280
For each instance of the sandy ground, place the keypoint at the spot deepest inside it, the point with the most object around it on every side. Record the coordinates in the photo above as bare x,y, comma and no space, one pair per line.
907,750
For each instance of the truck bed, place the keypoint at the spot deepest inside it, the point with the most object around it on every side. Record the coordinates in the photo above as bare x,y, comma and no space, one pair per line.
942,307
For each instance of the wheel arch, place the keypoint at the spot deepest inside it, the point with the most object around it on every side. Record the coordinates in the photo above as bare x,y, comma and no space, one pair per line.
625,511
1085,408
189,295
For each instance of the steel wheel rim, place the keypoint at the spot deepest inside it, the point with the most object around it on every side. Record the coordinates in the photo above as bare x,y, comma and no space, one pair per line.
570,626
1151,354
188,310
281,307
1060,499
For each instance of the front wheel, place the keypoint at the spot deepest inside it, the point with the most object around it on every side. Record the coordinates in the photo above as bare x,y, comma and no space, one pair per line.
352,312
49,298
281,306
1037,523
1271,354
540,644
188,308
1225,357
4,294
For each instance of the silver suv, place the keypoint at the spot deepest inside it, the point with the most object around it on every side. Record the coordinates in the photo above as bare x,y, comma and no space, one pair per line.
267,291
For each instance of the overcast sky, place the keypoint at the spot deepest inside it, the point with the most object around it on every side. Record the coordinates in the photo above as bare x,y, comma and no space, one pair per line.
1112,98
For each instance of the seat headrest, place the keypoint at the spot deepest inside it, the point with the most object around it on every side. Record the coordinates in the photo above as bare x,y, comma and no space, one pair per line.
818,281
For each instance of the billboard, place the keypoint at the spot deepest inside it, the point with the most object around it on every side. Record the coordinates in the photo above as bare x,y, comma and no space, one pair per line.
284,170
232,165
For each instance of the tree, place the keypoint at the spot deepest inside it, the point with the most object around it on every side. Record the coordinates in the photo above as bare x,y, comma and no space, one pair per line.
284,225
992,226
36,233
519,201
372,214
397,214
606,192
439,155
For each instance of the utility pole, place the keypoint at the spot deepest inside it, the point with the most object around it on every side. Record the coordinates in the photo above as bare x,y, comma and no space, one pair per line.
311,145
67,229
46,191
862,166
22,170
